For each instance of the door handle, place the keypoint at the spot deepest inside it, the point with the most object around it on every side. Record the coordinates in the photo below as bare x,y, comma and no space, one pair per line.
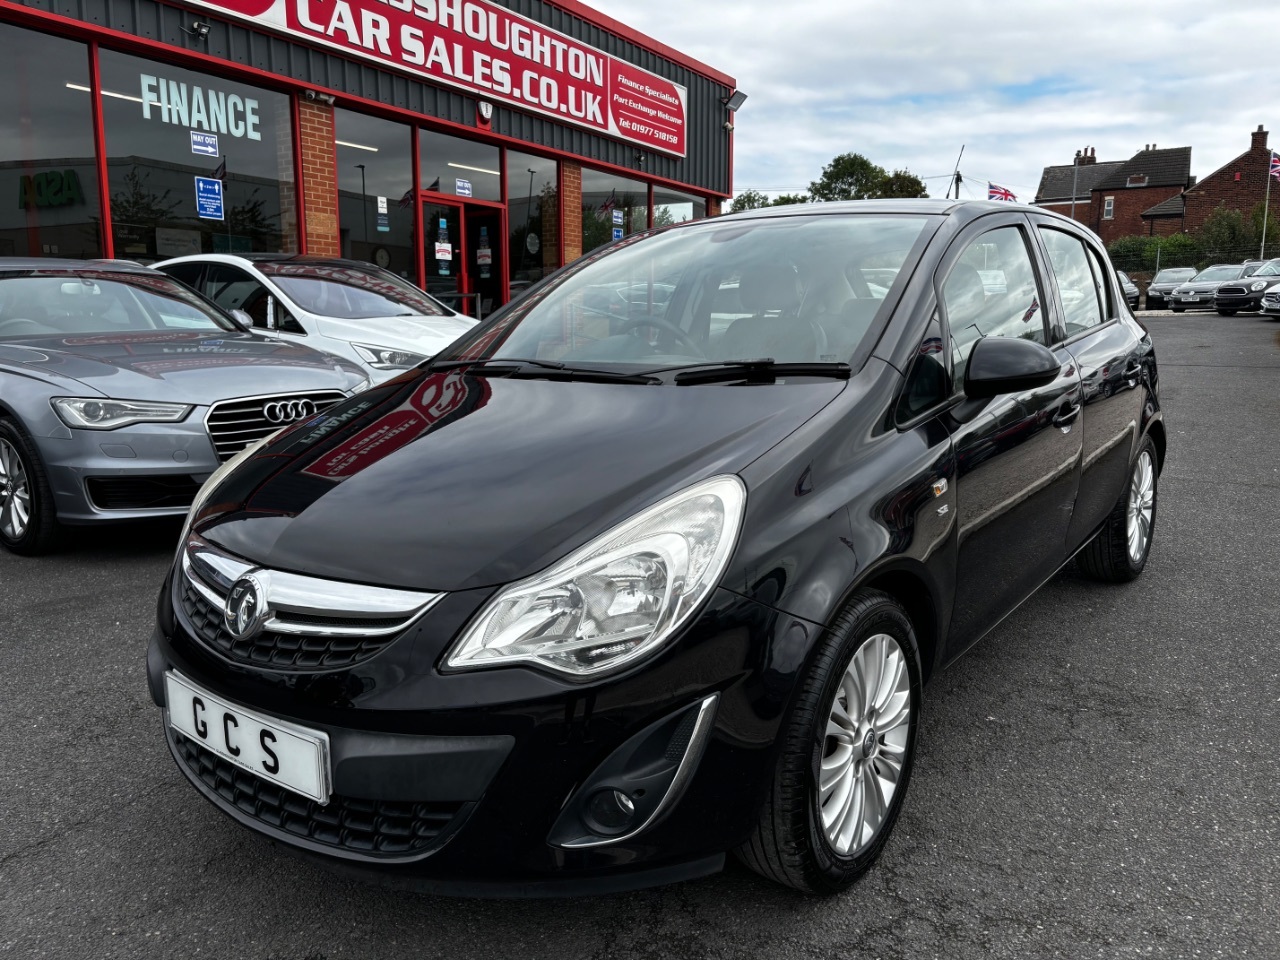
1132,369
1067,414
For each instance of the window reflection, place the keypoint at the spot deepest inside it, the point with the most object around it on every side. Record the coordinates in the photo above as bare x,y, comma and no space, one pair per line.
460,167
376,196
533,218
612,207
48,176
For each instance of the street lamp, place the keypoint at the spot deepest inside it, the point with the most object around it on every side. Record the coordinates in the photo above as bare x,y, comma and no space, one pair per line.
364,205
1075,177
528,216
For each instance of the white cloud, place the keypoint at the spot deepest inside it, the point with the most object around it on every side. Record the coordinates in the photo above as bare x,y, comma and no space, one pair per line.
1021,86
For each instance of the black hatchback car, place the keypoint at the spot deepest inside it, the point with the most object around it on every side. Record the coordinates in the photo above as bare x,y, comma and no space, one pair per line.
596,598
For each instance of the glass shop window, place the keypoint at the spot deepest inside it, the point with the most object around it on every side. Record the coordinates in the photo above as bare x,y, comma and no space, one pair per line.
376,195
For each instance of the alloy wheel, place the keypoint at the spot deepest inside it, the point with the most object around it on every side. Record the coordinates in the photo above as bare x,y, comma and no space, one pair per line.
1142,500
865,744
15,493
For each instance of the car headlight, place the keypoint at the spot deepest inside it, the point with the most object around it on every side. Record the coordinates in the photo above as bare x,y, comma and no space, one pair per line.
362,385
92,413
619,597
387,358
1258,285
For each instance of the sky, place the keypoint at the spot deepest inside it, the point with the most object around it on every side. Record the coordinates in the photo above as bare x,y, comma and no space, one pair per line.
1021,86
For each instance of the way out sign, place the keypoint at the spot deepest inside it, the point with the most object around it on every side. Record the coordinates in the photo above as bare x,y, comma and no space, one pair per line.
209,198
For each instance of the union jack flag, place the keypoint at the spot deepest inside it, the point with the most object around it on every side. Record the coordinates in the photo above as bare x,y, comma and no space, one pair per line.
997,192
1275,164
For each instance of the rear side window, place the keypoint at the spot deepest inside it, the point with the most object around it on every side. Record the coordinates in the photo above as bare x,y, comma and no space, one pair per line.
1077,285
991,291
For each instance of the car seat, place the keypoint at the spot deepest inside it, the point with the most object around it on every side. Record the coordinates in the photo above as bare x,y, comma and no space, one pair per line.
772,293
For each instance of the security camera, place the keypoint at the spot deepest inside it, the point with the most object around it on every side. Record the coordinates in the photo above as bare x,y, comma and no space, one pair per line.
728,126
310,95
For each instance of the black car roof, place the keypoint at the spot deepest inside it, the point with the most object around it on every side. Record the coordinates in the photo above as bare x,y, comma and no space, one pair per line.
963,209
304,258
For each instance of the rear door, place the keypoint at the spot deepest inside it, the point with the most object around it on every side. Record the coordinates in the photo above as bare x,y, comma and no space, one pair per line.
1090,321
1017,455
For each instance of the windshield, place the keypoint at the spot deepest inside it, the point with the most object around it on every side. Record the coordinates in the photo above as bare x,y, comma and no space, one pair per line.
1219,273
791,289
1175,275
350,293
1270,269
35,303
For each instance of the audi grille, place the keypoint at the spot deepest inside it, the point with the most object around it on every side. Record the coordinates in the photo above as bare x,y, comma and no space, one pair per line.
234,424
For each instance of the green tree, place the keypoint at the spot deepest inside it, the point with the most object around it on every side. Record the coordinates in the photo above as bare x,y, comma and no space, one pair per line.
901,183
787,199
748,199
850,176
1227,235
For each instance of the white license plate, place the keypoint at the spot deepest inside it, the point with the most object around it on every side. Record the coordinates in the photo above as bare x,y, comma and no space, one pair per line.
282,753
1189,299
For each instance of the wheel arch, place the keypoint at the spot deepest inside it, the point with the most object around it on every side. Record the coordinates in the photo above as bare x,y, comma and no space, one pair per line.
911,585
1156,432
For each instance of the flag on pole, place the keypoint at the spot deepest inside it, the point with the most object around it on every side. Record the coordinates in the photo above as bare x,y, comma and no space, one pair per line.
997,192
1275,164
610,202
407,200
220,171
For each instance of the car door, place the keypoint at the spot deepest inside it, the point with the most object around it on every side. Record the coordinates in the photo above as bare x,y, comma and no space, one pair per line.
1017,455
1108,349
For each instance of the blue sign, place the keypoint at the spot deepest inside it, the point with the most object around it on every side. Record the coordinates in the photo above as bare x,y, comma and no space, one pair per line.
208,198
617,233
384,223
205,144
462,187
617,218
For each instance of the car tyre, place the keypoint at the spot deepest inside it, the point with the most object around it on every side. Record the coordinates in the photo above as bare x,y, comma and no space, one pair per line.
797,840
1177,309
1119,551
28,525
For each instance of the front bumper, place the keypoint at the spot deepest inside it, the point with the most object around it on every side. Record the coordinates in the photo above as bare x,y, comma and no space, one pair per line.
1249,301
483,766
143,470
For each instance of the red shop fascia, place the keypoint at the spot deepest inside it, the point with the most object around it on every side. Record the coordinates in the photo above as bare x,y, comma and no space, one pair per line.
550,78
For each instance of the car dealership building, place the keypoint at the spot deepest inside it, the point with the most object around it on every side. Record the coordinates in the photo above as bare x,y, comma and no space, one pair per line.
469,146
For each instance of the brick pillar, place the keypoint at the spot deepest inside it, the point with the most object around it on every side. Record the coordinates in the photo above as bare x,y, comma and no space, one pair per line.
571,210
713,206
319,178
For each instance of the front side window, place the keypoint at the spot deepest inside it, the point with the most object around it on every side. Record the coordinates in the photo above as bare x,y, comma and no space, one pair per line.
1078,287
793,289
196,163
53,304
350,294
991,291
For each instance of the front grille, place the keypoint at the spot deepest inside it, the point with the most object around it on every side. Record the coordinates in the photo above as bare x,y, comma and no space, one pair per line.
378,828
141,493
1271,297
234,424
1231,291
277,651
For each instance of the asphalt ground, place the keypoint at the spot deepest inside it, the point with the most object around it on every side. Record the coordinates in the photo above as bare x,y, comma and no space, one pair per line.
1098,778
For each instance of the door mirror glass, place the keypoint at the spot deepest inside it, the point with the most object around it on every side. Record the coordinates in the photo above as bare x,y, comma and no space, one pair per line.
1007,365
242,317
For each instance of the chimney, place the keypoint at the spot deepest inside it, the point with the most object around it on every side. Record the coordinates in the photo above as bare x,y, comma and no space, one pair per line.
1083,157
1259,139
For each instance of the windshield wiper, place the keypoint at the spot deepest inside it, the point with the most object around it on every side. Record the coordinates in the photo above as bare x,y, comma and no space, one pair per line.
545,369
763,370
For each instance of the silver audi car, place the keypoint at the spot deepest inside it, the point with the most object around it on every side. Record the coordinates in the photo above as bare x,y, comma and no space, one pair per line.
121,391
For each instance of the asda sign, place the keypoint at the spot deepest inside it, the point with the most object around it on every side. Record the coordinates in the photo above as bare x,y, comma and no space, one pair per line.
51,188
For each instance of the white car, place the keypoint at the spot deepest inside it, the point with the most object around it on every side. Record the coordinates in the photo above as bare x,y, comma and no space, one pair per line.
354,309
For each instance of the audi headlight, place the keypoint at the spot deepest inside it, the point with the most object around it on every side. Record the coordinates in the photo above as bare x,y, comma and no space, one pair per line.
619,597
101,414
1258,285
387,358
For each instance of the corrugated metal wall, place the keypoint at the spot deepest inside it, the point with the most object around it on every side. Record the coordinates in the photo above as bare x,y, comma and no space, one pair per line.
706,166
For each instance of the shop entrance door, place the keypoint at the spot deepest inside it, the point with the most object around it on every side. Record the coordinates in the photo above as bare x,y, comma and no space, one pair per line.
465,266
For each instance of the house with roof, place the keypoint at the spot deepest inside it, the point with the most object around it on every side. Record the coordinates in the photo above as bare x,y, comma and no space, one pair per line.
1240,184
1140,185
1068,188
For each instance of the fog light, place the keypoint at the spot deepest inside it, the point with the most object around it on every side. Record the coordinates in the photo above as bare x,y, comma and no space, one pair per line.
610,811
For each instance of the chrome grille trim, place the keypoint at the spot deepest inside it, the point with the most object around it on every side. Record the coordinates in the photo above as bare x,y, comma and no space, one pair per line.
325,608
234,424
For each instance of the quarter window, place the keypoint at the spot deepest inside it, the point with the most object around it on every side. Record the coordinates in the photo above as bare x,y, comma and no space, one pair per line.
991,291
1078,287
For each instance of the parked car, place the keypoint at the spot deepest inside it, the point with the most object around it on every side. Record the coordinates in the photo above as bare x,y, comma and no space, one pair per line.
1198,292
1231,298
1131,293
573,608
354,309
121,391
1162,285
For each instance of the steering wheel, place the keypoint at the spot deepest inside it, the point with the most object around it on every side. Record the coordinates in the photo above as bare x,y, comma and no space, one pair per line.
667,325
19,321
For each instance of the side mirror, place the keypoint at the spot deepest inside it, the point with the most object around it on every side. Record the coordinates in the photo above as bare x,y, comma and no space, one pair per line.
243,317
1003,365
